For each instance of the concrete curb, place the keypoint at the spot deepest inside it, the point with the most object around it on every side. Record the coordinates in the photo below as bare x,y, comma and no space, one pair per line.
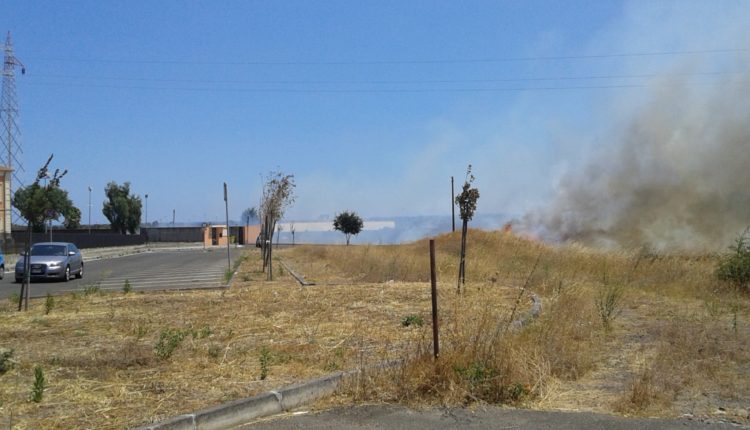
295,275
241,411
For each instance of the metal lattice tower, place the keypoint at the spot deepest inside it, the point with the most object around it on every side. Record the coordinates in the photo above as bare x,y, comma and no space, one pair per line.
10,156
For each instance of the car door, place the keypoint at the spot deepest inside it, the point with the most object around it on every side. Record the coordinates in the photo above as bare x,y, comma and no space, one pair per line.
78,258
72,260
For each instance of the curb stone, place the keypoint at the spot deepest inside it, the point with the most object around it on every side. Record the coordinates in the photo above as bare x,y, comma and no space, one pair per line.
241,411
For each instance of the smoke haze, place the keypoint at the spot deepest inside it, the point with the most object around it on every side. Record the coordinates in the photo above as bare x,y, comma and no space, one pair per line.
673,176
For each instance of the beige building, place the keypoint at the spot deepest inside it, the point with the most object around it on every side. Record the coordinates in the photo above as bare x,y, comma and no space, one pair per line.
5,202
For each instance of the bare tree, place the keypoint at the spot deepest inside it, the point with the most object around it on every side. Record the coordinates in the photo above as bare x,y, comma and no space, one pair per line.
467,204
278,195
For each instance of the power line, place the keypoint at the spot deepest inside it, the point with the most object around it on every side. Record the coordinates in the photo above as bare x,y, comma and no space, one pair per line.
395,62
395,81
351,90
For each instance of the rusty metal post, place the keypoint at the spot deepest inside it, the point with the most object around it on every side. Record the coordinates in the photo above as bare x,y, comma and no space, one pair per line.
433,282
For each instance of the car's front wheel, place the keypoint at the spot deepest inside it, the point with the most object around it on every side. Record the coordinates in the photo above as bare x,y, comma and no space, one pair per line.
2,271
66,275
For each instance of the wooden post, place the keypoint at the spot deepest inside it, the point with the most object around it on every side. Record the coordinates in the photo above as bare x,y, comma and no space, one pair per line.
453,205
433,284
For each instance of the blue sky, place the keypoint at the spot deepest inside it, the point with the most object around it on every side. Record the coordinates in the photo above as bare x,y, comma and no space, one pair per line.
372,105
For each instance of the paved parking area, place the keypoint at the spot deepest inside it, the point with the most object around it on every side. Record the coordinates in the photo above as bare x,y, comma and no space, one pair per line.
154,270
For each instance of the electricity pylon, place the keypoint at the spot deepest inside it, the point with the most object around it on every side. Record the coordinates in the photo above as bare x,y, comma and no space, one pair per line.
11,134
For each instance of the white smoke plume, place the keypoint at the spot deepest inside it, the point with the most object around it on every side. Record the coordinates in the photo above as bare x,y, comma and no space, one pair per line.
674,176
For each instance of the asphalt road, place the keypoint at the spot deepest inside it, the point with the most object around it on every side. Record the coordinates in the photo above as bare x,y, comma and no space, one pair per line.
159,270
396,417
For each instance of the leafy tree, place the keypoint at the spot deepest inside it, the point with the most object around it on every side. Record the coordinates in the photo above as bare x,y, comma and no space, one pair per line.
249,215
41,203
348,223
467,204
734,267
73,219
122,209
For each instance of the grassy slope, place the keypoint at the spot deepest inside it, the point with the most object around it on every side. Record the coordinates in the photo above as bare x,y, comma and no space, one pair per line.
671,347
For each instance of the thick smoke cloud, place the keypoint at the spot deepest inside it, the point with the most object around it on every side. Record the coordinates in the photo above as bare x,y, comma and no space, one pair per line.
674,176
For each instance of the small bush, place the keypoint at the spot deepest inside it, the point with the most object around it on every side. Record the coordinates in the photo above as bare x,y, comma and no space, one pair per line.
91,289
49,304
412,320
214,350
14,298
6,360
609,304
265,360
169,340
734,267
37,389
126,288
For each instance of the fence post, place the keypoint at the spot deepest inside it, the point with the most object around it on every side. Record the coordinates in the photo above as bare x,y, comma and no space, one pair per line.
433,284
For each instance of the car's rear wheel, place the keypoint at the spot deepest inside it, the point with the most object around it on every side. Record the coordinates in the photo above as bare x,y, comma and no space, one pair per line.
19,280
66,275
79,275
2,271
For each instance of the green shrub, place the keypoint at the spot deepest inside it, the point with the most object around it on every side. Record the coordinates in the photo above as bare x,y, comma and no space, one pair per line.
265,360
49,303
127,287
734,267
6,360
37,390
412,320
169,340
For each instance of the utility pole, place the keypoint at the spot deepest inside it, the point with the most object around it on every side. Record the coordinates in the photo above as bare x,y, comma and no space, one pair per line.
9,114
146,210
226,206
89,209
173,212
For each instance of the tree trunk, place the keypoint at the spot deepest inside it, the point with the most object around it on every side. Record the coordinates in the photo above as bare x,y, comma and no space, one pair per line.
462,260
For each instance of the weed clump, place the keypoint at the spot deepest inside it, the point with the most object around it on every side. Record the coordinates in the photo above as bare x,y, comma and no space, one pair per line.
6,360
49,304
412,320
169,340
37,389
734,267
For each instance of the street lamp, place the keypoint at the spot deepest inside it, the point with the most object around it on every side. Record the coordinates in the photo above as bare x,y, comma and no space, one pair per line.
146,210
89,209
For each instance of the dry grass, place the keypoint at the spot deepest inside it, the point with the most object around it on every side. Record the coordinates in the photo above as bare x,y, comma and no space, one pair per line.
98,350
630,332
671,348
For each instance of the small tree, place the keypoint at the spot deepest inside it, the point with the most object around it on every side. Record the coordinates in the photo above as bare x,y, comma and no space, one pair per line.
41,203
734,267
122,209
278,195
467,204
348,223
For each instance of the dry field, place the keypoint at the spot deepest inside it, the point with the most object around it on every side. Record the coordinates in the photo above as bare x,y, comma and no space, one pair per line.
675,340
629,333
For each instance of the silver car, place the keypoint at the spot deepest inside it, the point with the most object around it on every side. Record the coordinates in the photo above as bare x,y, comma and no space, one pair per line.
52,260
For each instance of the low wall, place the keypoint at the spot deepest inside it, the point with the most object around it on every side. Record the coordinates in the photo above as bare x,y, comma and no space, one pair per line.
82,239
173,234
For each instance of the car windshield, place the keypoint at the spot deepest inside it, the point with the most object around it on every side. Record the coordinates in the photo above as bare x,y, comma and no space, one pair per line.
50,250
